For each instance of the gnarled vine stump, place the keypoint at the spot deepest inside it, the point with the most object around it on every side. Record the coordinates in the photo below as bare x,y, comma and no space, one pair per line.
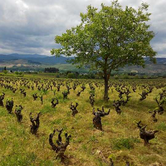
146,135
59,147
97,119
35,123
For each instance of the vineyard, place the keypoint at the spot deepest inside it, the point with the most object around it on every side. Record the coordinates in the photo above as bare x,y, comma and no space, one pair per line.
48,122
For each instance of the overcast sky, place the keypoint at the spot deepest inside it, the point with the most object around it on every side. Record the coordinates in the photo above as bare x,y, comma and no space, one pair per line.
30,26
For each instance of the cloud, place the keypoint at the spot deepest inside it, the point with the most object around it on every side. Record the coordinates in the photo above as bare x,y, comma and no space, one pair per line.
29,26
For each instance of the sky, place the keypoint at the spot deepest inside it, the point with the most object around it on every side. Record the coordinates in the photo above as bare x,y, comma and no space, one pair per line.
30,26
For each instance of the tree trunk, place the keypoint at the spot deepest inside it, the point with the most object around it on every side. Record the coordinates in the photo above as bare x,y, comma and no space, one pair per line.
106,74
106,88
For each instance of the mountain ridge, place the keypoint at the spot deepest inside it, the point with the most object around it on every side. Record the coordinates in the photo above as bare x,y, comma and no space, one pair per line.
44,59
36,58
28,62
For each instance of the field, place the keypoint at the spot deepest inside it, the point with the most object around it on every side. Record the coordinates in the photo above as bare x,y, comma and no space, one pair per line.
119,140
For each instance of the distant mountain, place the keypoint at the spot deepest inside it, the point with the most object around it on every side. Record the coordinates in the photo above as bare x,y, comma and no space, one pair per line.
35,58
40,61
27,56
51,60
43,59
161,61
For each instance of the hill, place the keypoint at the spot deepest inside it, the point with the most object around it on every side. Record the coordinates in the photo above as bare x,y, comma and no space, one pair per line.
38,62
33,58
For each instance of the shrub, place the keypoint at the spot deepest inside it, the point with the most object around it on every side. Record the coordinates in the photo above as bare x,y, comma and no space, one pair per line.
71,75
19,74
116,77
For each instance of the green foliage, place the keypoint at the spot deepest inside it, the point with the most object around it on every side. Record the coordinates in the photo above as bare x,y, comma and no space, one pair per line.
10,99
109,38
71,75
125,76
19,74
116,77
51,70
5,71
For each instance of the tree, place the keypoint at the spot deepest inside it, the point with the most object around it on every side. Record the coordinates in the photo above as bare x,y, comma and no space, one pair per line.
51,70
4,68
109,38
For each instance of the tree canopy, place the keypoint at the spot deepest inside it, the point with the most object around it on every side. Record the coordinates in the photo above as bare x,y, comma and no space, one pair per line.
109,38
51,70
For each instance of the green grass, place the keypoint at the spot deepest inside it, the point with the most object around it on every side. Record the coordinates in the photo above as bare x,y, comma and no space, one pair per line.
22,159
119,139
161,126
124,143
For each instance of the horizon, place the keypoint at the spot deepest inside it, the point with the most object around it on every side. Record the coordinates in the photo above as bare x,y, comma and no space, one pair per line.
53,55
